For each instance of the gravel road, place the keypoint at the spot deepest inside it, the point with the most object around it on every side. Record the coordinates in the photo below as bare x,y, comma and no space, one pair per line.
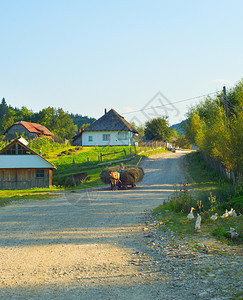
99,244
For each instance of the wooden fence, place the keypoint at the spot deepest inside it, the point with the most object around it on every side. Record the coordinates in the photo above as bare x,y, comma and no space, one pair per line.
234,176
112,153
147,146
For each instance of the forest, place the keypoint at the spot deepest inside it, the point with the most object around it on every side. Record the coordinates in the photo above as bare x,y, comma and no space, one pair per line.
62,124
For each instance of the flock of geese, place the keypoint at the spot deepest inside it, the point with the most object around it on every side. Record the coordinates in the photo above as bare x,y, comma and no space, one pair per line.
214,217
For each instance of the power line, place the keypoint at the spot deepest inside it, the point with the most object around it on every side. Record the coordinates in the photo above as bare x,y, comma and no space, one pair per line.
179,101
232,106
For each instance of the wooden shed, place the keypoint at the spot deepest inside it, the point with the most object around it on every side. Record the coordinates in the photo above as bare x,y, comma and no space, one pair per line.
23,168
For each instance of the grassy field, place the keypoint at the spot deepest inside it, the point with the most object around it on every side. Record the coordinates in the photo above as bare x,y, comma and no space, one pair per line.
9,196
78,157
63,155
209,193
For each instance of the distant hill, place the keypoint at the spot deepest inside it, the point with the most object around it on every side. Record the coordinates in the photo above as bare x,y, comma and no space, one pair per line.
180,127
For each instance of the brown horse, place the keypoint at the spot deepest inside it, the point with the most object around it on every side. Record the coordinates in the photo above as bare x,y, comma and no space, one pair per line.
114,179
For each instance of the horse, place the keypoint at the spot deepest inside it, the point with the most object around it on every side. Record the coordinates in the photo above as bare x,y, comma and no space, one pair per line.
114,179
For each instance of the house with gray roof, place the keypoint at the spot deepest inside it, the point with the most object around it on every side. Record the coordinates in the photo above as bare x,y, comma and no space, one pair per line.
23,168
109,130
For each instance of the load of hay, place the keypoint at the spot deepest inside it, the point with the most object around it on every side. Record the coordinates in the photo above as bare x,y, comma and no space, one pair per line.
129,176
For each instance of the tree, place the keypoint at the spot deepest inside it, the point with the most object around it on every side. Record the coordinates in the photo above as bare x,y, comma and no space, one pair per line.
25,114
158,129
57,121
217,133
3,108
9,119
193,127
84,126
182,142
140,130
63,126
3,111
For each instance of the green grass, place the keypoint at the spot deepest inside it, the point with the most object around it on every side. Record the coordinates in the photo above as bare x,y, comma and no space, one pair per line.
78,157
7,196
209,192
205,179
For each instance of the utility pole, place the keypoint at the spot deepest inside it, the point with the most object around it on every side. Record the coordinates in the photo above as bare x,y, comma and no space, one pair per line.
226,104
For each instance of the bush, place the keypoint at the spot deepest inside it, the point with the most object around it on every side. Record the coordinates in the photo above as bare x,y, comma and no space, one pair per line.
236,202
180,200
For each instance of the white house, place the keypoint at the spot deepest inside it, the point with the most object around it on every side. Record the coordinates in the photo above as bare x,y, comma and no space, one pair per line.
111,129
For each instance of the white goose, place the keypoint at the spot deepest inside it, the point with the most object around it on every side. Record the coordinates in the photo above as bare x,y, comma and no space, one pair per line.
214,217
232,213
190,216
233,233
225,215
198,223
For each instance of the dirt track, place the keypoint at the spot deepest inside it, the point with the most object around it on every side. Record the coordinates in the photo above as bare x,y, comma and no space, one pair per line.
89,245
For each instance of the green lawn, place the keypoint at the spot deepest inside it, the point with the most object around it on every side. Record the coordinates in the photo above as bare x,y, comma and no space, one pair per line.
7,196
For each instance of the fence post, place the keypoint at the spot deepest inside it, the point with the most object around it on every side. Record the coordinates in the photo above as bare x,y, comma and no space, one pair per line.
125,153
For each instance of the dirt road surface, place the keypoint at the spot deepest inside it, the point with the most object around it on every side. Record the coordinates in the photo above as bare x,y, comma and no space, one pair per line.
95,245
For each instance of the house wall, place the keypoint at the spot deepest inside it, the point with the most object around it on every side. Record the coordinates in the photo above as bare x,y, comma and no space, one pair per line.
12,179
19,129
77,141
97,138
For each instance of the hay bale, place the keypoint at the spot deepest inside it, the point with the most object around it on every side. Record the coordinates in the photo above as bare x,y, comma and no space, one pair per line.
129,176
132,175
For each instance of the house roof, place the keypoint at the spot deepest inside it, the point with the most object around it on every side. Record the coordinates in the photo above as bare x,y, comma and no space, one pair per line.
20,140
111,121
15,161
24,162
33,128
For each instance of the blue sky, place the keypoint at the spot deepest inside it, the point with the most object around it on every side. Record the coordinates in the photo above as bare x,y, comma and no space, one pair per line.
85,56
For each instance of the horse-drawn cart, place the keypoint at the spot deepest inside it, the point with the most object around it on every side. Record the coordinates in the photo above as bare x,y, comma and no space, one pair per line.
122,179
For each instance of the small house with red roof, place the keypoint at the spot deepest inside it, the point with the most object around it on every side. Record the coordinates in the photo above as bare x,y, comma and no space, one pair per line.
23,168
30,130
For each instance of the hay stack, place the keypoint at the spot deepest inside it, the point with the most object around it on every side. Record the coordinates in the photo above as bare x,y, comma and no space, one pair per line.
129,176
132,175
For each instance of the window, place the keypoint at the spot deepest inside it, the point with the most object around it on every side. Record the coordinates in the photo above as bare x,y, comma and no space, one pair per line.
16,149
122,135
39,173
90,138
106,137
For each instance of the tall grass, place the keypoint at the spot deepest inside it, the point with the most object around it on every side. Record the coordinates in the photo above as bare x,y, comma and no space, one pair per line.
206,180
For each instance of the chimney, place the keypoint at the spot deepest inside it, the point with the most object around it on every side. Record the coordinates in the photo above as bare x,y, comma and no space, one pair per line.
105,110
